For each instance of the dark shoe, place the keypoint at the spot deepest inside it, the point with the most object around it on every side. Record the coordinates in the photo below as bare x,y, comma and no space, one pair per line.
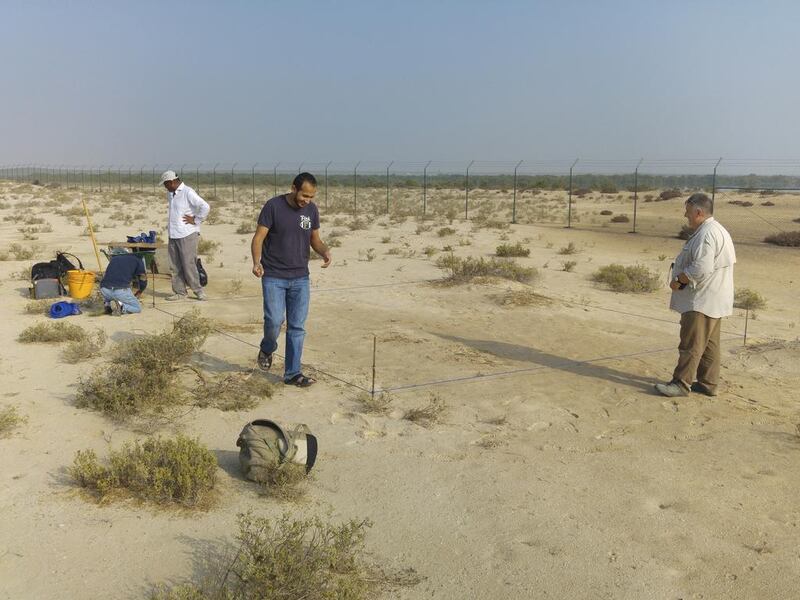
264,360
701,389
671,389
300,380
108,310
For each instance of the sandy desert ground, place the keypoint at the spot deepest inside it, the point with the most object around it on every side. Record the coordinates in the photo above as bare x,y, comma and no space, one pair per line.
556,472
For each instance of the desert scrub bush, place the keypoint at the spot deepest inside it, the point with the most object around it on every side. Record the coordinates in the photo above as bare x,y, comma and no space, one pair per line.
462,270
568,249
568,265
52,333
445,231
620,219
669,194
386,239
287,559
21,252
163,471
685,233
748,299
375,404
430,251
785,238
246,227
423,228
141,376
606,213
619,278
357,224
10,419
512,250
207,247
427,415
90,346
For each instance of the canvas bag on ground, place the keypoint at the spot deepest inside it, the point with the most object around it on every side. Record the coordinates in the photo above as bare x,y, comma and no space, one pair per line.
263,444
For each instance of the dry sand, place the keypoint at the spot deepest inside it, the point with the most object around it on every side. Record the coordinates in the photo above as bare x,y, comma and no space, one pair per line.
556,472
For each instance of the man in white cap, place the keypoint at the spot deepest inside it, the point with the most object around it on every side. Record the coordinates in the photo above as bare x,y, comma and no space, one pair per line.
186,211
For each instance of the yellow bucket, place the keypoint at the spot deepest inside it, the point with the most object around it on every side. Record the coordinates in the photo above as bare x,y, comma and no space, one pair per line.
80,283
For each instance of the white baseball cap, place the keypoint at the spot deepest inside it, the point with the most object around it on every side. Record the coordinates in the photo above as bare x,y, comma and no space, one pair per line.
167,176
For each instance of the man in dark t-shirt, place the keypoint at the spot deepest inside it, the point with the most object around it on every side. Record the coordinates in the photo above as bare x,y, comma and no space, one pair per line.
287,226
123,268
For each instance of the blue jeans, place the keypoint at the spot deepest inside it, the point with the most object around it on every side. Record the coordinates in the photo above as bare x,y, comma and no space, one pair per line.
289,298
129,302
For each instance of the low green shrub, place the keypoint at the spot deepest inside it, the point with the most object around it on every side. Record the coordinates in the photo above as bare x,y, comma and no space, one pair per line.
462,270
748,299
141,376
287,559
162,471
506,250
619,278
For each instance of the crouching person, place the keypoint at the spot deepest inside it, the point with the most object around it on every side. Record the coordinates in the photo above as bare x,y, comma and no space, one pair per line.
123,269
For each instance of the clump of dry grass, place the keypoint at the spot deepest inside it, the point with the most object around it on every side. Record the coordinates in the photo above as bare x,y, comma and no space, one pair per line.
163,471
463,270
620,219
52,333
288,558
569,265
38,307
283,480
233,391
522,298
513,250
141,378
9,420
785,238
88,347
445,231
207,247
427,415
568,249
246,227
378,404
619,278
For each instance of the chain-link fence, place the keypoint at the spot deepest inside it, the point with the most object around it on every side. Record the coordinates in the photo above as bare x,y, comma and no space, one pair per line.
753,198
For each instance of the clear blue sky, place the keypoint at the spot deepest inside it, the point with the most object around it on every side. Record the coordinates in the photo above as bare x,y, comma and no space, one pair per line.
145,82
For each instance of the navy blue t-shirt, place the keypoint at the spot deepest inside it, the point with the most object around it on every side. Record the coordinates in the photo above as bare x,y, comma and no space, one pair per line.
286,250
122,269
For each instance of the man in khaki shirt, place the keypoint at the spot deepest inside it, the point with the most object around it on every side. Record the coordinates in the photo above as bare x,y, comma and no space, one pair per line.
702,291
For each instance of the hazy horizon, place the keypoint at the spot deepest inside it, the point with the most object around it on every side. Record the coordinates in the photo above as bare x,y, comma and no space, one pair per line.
183,83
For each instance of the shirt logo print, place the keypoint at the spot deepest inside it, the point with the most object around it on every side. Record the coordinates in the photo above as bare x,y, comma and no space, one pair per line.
305,222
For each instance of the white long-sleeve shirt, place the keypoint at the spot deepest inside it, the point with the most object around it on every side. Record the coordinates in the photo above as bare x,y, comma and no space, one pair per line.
185,201
707,259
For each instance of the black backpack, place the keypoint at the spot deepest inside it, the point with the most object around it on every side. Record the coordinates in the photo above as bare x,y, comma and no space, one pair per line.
201,273
55,269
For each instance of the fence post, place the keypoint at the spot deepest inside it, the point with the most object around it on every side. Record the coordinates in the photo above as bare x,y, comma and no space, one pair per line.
154,179
253,180
425,188
466,192
326,183
387,186
355,188
214,178
569,205
197,177
233,183
714,182
636,192
514,203
275,177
